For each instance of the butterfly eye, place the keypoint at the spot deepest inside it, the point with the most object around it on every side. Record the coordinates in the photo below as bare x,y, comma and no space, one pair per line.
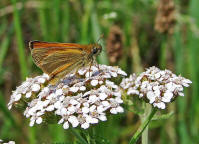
95,50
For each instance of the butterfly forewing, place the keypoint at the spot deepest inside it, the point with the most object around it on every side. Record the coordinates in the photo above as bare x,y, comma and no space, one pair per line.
57,58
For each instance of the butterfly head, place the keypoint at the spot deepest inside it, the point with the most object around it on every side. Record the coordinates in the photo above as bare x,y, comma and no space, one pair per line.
96,49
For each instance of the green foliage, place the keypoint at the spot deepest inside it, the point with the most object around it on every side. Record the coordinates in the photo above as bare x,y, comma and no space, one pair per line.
83,22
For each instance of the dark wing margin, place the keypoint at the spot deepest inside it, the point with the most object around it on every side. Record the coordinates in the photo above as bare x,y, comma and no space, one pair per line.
31,44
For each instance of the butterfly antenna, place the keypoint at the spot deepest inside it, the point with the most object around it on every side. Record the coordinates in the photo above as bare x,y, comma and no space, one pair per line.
101,36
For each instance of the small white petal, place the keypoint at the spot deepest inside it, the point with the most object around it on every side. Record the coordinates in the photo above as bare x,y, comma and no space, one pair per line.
167,96
105,103
120,109
86,93
117,94
74,89
28,95
58,92
39,120
101,82
26,84
45,103
92,108
185,84
35,87
114,74
100,109
49,97
61,121
132,91
63,111
82,88
186,81
46,76
93,98
170,86
32,122
181,94
157,93
102,117
88,119
107,75
118,100
94,68
82,71
113,111
94,82
85,110
71,109
157,75
57,105
151,96
103,96
41,80
85,125
74,121
66,125
88,74
103,88
61,98
50,108
9,107
160,105
156,88
74,102
121,72
17,97
94,121
86,104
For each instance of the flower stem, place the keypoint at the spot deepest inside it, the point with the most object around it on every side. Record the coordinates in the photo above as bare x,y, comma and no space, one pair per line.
143,117
142,127
78,136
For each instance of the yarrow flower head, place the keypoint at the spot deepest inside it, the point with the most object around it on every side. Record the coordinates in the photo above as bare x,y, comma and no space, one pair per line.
158,87
79,99
9,142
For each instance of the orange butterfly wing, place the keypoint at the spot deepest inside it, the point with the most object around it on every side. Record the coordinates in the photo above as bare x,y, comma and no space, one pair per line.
57,58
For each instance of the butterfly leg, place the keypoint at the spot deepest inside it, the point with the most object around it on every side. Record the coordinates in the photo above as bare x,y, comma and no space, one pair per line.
89,70
96,64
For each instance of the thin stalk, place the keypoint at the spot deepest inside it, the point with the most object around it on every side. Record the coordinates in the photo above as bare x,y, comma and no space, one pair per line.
5,45
78,136
142,127
143,118
56,19
20,43
192,54
6,112
85,21
96,31
43,23
179,52
163,52
65,21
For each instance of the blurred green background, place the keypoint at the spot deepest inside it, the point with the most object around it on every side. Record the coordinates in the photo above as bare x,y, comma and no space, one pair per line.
137,34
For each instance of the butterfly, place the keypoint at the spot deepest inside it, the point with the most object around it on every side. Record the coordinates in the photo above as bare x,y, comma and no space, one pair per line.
59,59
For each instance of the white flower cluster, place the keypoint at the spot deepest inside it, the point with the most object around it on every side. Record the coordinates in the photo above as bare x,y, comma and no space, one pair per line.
27,89
156,86
10,142
79,99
